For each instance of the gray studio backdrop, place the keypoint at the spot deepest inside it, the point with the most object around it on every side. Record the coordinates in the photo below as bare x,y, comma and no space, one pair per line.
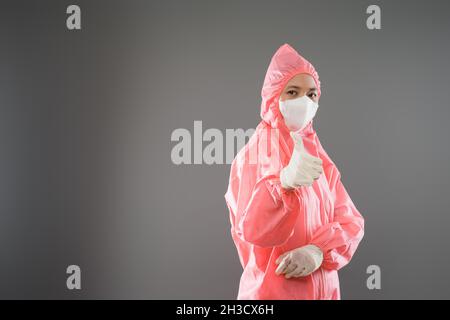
86,176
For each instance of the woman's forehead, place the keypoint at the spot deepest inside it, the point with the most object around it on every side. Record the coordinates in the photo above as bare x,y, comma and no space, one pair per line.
302,80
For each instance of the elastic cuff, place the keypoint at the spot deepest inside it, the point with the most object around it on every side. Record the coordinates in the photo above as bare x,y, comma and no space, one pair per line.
284,186
319,250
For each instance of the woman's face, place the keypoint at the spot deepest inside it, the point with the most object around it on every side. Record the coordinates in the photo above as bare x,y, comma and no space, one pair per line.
300,85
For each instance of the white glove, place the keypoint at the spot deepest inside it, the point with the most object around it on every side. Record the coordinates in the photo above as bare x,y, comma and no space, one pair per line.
299,262
303,168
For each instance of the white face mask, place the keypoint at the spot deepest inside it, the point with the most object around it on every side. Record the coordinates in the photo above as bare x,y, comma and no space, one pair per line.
298,112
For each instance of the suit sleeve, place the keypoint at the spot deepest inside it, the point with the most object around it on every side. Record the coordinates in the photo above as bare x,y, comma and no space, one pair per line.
263,213
339,239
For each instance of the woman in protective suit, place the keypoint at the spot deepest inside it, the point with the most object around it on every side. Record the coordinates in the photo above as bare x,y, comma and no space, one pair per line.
292,221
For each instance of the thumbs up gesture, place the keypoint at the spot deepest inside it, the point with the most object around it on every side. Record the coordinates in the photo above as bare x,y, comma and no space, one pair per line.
303,168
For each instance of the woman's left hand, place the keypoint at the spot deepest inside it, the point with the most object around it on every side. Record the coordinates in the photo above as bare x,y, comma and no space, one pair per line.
299,262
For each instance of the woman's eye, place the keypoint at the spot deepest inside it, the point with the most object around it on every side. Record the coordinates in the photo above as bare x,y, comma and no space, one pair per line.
292,92
312,95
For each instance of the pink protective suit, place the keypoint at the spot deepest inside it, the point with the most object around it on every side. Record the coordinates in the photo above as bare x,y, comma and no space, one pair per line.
267,220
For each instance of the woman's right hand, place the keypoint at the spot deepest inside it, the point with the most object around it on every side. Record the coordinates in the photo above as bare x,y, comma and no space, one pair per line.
303,168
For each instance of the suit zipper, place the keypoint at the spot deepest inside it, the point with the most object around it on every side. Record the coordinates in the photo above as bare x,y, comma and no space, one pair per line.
308,235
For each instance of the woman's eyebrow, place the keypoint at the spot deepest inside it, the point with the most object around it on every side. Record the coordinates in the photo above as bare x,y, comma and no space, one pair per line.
299,88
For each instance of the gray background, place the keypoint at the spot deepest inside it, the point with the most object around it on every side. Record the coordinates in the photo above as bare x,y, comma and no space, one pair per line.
86,117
